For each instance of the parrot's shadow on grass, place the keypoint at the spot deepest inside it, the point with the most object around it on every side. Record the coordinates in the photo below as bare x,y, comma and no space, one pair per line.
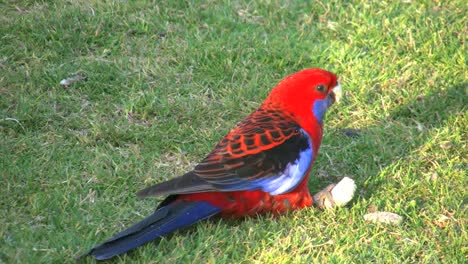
364,152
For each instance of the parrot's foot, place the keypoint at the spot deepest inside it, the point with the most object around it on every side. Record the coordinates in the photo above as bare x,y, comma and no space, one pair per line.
324,199
336,195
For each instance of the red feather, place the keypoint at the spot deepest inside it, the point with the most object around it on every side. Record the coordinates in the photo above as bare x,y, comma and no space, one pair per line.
249,203
287,107
260,166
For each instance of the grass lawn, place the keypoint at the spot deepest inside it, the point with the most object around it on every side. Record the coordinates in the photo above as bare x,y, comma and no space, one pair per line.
165,80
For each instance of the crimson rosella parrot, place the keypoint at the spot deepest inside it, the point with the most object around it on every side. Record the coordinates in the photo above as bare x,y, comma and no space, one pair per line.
260,166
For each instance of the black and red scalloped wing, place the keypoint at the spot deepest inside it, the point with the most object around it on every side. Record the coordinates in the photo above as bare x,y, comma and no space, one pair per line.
266,151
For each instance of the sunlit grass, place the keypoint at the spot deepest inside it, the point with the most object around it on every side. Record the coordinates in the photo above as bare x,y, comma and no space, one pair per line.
164,81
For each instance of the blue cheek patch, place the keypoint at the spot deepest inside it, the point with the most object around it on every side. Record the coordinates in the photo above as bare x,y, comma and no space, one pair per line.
320,108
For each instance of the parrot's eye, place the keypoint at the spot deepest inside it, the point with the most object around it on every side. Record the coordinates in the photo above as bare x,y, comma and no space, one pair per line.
321,88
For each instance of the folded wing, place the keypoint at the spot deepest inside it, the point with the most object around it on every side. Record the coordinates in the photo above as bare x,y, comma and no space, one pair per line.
267,151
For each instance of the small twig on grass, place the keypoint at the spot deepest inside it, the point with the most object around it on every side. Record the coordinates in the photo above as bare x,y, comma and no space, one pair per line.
14,120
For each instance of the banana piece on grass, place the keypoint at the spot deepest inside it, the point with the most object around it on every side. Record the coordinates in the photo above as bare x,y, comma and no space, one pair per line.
336,195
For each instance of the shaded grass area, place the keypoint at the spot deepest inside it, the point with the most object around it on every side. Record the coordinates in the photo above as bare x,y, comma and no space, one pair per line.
164,81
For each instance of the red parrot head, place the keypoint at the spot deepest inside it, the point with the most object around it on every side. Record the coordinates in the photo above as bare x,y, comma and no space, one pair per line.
306,95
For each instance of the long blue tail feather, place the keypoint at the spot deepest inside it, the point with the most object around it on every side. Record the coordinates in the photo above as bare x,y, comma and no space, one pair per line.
164,220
